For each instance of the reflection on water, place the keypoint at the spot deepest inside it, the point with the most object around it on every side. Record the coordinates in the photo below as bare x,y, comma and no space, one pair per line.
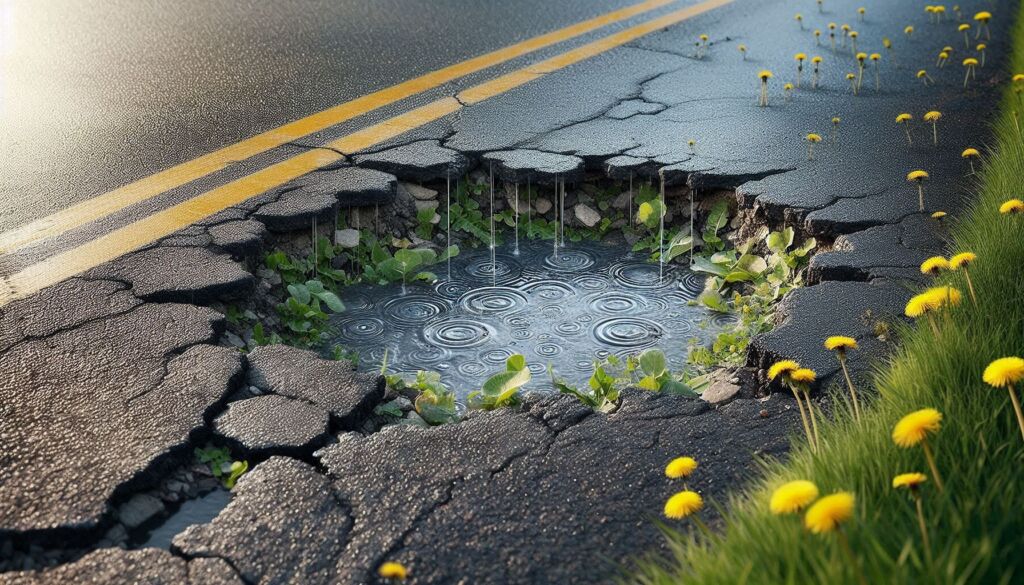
589,301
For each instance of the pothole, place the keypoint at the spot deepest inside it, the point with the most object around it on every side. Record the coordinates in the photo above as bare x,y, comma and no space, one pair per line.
567,308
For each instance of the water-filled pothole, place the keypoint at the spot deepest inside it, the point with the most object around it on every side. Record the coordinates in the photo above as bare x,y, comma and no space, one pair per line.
569,309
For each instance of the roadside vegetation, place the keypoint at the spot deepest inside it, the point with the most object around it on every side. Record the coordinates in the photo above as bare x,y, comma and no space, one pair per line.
925,487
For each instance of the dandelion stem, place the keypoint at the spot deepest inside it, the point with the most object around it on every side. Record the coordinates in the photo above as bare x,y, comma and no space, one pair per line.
909,139
844,544
935,133
920,196
703,528
803,419
935,327
931,463
970,286
1016,407
925,542
814,419
849,383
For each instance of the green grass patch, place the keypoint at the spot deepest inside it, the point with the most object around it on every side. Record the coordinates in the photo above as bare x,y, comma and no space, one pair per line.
976,526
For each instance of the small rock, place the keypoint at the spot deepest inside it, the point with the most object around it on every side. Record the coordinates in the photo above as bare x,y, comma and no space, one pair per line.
348,238
269,276
587,215
233,339
542,204
419,193
436,219
421,205
523,206
622,200
116,534
138,510
403,403
720,392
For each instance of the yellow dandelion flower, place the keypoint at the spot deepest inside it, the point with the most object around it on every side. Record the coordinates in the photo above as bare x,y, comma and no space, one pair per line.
983,16
683,504
908,30
939,215
1012,206
800,56
840,342
391,570
909,480
970,152
875,56
782,368
1018,78
918,305
916,426
970,62
792,497
828,513
812,137
903,118
803,376
963,27
934,265
962,259
765,75
1004,372
917,175
680,467
932,116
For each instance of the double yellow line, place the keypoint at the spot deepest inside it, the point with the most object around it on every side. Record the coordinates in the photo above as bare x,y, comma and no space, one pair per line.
160,224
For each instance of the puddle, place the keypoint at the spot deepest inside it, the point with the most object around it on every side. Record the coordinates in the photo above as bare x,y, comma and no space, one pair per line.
198,511
589,301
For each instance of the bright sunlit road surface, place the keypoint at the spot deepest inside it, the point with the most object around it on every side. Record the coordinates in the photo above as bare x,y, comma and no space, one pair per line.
129,216
95,94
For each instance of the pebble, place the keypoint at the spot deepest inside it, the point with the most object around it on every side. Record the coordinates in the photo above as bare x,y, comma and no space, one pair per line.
347,238
543,205
587,215
418,192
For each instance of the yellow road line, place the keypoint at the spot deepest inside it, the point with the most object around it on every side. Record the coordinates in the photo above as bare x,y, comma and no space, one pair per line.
163,223
153,185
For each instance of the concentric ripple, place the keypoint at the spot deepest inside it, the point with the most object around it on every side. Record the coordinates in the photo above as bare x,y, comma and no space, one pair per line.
414,309
628,331
458,333
569,260
643,275
616,302
570,309
493,300
359,329
549,290
503,269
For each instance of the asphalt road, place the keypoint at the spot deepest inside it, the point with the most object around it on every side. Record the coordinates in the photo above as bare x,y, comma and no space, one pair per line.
95,94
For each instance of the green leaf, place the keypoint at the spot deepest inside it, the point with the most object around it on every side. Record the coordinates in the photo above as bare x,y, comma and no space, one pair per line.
779,242
702,264
502,384
649,383
332,301
653,362
300,293
515,362
717,219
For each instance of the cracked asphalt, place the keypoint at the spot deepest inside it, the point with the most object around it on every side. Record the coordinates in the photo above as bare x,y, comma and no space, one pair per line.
108,379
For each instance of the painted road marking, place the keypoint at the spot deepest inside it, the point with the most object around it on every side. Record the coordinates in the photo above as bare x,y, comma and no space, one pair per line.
163,223
176,176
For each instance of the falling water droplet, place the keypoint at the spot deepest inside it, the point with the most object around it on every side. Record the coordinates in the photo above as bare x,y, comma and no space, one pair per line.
448,215
515,213
661,230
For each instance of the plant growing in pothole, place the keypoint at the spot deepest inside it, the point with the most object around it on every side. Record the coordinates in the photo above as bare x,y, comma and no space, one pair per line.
853,41
832,34
434,402
817,37
799,18
860,13
1006,373
852,78
914,429
405,265
502,389
653,365
909,31
221,465
918,177
603,387
302,312
811,139
904,120
787,91
923,76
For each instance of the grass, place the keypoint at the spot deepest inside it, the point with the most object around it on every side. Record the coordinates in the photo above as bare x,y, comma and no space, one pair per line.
976,525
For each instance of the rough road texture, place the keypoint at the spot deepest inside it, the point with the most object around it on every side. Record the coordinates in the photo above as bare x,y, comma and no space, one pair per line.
441,500
99,389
